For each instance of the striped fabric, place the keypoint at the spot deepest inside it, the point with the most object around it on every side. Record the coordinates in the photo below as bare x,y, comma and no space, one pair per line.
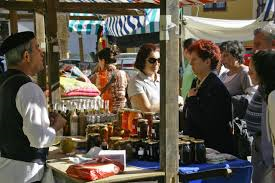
129,25
124,25
269,10
84,26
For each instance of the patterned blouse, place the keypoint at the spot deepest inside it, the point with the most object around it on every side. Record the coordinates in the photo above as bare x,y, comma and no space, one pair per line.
116,92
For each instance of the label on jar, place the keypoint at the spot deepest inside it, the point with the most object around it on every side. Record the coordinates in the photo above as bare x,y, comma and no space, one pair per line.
138,129
140,152
153,130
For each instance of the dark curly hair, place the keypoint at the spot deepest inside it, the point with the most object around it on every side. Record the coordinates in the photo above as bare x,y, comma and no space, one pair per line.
264,63
235,48
143,53
207,49
107,54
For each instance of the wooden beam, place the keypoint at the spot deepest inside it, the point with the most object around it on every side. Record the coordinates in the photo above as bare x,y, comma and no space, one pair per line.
39,26
94,10
13,21
80,6
31,17
22,6
85,18
19,16
81,49
169,77
52,50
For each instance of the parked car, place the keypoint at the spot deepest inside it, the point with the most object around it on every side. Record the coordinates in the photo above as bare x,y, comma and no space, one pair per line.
86,67
126,61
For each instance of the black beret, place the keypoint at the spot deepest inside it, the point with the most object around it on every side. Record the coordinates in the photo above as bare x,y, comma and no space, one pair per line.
15,40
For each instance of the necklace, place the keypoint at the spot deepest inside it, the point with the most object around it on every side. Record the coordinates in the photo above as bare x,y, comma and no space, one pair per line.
199,82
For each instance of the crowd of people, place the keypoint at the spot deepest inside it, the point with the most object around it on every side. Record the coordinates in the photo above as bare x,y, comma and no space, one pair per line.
216,87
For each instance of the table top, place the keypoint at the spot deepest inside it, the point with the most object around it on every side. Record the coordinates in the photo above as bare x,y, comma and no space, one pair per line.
59,163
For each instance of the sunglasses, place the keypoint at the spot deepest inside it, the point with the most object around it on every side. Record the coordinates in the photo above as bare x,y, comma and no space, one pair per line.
153,60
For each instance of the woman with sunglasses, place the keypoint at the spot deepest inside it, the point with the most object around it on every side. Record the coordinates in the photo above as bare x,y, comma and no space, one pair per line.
262,73
207,109
144,88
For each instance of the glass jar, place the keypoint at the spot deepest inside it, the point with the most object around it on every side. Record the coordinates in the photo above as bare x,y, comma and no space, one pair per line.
200,151
150,117
93,139
155,130
113,142
185,152
152,150
142,128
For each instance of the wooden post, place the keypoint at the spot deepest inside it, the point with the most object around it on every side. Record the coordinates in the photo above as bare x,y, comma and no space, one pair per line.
81,50
63,34
52,50
169,35
39,26
13,21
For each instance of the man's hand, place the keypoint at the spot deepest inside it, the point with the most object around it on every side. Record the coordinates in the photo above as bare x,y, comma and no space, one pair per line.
57,121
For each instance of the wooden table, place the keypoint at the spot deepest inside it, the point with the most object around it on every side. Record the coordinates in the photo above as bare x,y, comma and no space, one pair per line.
59,163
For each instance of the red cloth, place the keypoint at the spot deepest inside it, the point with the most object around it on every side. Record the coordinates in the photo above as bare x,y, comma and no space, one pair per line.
97,168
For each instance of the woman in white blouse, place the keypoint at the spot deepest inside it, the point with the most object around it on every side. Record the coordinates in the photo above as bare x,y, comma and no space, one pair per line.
144,88
236,78
262,72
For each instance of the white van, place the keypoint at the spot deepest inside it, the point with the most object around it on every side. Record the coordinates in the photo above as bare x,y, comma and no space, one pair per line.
126,61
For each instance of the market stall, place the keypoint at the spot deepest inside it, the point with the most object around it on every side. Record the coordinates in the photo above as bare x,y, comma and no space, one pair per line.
169,45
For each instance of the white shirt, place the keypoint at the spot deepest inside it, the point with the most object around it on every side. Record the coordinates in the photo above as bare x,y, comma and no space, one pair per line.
144,84
271,119
32,106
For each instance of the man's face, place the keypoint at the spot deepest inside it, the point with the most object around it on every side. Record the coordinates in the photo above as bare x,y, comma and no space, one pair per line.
36,58
260,43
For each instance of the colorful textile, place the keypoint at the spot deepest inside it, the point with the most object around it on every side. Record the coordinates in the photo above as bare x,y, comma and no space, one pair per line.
70,84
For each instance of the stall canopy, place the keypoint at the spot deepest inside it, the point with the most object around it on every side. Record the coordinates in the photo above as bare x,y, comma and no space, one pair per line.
84,26
125,25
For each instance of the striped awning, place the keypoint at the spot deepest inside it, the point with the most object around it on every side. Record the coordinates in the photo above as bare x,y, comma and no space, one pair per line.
128,25
268,13
124,25
84,26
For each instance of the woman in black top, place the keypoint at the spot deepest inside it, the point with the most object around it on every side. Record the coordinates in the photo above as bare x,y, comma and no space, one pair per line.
208,106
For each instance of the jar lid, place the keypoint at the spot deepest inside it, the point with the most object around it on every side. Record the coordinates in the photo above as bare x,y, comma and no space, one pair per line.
115,138
184,142
152,142
142,120
197,141
149,113
156,121
93,134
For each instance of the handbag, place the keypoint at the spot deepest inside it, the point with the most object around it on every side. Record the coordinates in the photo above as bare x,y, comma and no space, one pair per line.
242,140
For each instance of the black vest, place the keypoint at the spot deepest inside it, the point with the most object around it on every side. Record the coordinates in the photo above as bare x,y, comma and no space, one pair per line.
14,144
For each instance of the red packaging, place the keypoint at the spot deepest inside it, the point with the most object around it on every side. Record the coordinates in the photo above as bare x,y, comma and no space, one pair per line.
97,168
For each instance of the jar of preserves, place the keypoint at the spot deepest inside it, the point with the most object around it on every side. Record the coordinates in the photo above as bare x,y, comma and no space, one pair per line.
113,142
142,128
93,139
103,131
135,141
150,117
199,151
155,130
152,150
185,152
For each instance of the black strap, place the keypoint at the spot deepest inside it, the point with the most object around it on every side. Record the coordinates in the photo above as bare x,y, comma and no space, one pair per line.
107,86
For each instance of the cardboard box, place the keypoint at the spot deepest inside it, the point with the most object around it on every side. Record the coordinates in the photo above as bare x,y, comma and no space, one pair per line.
117,155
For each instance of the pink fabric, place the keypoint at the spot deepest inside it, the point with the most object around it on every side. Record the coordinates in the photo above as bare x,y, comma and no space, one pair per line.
76,93
86,90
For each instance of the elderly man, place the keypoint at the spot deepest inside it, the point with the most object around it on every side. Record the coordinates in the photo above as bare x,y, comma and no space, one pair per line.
261,159
25,129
